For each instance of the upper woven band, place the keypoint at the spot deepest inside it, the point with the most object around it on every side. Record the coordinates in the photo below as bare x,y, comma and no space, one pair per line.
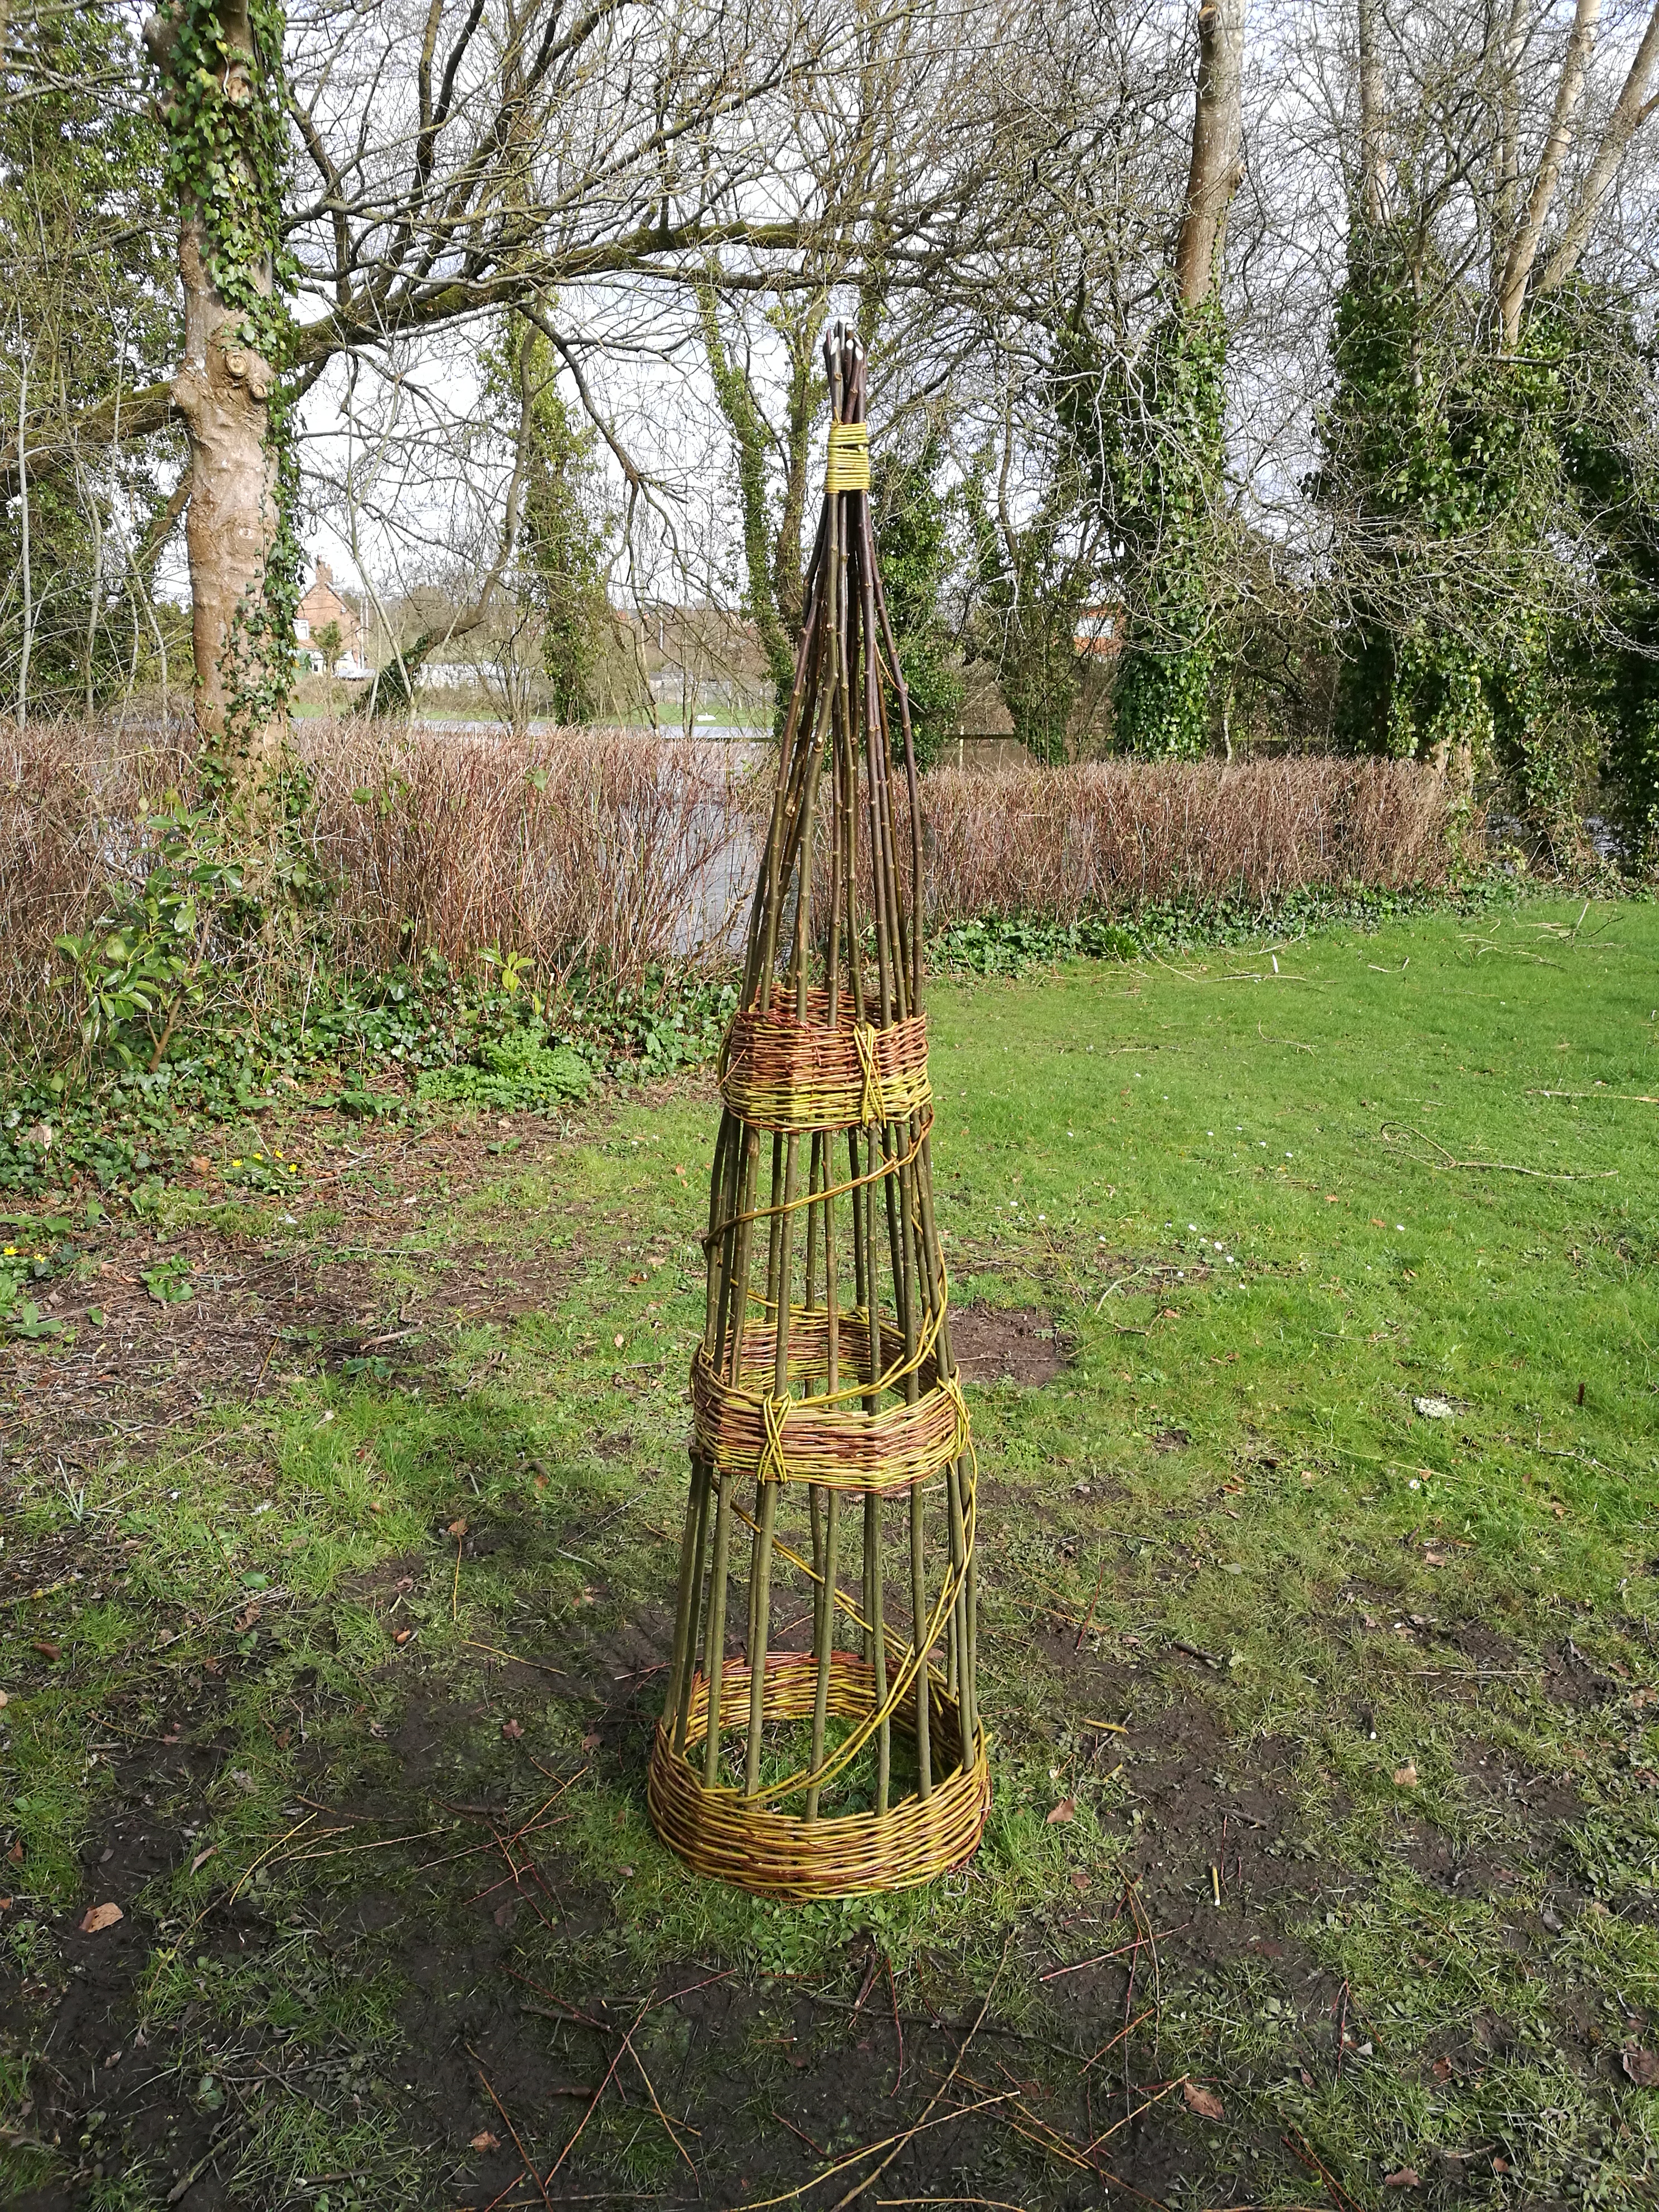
793,1077
849,458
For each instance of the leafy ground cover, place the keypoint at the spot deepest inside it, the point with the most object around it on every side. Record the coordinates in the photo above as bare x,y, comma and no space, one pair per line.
1309,1293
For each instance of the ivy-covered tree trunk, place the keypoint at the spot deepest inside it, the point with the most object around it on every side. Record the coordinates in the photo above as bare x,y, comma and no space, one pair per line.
1480,434
748,438
1166,478
1162,460
220,67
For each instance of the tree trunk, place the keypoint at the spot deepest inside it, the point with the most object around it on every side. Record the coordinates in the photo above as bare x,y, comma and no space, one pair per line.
221,390
241,631
1373,119
1523,249
1506,196
1630,110
803,402
1217,133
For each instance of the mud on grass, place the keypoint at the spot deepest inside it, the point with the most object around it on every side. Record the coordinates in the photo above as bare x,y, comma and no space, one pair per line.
1322,1854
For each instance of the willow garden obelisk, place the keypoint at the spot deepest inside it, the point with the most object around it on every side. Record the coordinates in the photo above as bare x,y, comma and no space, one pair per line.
821,1735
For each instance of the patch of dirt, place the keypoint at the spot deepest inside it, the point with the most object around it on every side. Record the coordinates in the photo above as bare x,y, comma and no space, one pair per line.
1005,1343
253,1312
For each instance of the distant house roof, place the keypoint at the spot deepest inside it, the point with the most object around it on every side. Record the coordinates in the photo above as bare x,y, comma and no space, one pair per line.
323,604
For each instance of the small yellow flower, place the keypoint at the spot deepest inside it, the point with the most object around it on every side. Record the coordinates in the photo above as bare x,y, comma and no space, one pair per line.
11,1252
292,1168
236,1164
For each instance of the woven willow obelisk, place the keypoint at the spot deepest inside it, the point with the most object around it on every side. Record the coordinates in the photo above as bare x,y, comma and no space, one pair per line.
826,1588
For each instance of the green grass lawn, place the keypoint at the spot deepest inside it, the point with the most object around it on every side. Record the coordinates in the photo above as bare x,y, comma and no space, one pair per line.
335,1598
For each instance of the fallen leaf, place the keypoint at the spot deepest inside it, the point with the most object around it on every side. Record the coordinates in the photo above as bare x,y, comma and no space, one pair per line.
1079,1879
100,1917
513,1730
1558,1509
590,1740
1407,2178
456,1529
244,1621
15,1856
1066,1810
1643,2067
1205,2102
403,1636
202,1858
5,1905
46,1650
484,2141
200,1166
1500,2166
1406,1776
503,1914
619,1339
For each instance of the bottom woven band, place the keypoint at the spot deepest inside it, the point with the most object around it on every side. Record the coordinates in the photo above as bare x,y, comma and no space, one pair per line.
721,1834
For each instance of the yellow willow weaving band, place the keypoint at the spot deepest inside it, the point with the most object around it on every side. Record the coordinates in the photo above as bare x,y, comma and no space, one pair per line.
799,1078
849,458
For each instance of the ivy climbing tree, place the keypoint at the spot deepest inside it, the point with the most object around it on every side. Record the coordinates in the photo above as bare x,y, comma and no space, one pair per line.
914,543
564,537
1158,456
1149,426
221,96
769,558
1486,464
1443,472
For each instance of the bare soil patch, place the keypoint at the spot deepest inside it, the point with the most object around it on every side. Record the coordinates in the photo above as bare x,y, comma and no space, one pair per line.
157,1322
1005,1343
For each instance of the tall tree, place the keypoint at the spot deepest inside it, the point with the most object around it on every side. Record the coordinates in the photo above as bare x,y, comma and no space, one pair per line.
223,104
913,519
1156,432
1475,376
767,557
89,317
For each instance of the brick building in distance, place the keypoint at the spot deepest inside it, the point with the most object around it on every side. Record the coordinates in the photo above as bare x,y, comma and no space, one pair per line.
324,605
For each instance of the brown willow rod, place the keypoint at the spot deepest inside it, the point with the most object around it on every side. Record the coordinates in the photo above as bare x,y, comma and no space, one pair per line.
902,694
901,1214
689,1600
857,650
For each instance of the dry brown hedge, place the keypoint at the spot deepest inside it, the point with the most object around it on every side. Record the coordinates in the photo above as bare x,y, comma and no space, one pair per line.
1114,837
616,848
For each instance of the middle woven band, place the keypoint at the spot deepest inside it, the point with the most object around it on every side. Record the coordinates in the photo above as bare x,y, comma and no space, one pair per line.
795,1077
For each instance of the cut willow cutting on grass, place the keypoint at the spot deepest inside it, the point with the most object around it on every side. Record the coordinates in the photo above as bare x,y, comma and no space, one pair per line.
829,1435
